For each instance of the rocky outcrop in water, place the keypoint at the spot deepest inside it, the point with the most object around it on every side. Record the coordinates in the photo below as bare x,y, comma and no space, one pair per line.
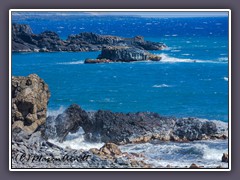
121,128
30,97
123,54
23,40
225,157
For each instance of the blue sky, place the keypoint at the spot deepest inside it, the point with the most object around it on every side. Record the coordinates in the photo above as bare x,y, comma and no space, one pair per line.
139,14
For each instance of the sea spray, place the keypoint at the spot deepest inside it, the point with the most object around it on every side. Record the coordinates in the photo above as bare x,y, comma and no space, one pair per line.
77,141
161,154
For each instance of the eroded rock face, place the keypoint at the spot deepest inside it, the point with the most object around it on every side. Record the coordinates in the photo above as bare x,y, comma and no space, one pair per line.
30,97
121,128
70,121
126,54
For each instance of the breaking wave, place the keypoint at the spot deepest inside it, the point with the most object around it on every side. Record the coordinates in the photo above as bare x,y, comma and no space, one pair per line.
169,59
76,141
203,153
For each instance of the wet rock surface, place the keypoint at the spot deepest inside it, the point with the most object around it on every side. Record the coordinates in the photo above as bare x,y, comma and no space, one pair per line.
225,157
36,152
121,128
23,40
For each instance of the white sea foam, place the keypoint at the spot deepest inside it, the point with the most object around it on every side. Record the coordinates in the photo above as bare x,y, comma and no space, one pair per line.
161,86
169,59
55,112
72,62
203,153
76,141
225,78
175,50
223,59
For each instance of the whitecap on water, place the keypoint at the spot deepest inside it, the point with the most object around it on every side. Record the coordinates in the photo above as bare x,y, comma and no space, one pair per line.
169,59
223,59
72,62
225,78
161,86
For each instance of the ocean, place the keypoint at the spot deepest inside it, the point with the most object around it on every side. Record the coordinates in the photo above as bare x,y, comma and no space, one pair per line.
191,80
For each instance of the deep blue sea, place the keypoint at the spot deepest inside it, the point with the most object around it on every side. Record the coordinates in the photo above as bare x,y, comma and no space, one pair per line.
191,80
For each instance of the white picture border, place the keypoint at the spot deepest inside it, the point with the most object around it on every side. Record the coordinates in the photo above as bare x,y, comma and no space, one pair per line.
122,10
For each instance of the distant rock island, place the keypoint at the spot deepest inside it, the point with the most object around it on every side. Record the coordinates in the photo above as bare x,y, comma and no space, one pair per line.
123,54
24,40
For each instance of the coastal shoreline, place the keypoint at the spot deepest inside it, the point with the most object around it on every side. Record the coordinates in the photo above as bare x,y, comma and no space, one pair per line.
31,130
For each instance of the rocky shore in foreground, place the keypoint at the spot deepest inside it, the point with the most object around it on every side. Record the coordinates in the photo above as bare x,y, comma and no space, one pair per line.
31,130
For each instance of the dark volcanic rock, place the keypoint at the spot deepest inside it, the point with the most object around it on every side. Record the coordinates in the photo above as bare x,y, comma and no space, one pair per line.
23,40
70,121
30,97
225,157
121,128
126,54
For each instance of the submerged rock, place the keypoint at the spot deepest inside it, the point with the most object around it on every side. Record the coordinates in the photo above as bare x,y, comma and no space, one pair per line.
96,61
30,97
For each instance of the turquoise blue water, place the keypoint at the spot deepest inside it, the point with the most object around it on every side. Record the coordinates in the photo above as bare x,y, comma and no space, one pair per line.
191,80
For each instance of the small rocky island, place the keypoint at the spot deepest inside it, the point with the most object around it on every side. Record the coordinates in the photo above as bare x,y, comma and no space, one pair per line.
122,54
32,129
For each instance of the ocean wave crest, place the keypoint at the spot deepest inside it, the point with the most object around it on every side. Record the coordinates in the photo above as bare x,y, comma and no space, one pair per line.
161,86
204,153
72,62
77,141
225,78
169,59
